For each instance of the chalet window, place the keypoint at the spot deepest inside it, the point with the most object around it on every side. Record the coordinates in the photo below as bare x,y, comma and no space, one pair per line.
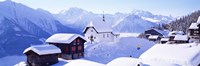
196,31
67,49
74,42
78,41
79,47
103,35
73,48
107,35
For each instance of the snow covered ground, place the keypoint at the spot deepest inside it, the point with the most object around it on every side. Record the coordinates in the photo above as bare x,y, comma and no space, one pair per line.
104,52
129,34
12,60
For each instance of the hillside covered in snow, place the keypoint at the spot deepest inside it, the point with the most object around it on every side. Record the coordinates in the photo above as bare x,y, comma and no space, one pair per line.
104,52
28,25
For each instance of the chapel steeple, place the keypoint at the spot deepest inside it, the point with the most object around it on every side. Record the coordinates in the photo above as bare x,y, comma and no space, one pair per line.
103,17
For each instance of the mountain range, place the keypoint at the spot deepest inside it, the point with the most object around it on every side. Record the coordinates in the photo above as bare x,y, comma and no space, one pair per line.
121,22
22,26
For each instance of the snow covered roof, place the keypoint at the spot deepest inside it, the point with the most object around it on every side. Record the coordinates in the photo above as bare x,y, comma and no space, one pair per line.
63,38
164,39
173,33
153,63
153,37
99,26
181,37
83,63
181,54
162,32
116,33
43,49
124,61
193,26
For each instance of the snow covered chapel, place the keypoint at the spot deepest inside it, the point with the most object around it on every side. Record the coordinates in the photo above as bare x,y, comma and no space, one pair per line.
99,31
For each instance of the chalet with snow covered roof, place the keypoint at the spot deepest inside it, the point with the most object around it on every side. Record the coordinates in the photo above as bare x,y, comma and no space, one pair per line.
99,31
42,55
194,31
154,34
71,45
153,31
180,39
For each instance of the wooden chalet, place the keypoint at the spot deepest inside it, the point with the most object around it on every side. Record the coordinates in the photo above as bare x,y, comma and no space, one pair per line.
71,45
42,55
194,32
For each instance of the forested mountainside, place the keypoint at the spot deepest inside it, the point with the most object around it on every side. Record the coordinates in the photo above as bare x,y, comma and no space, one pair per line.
184,22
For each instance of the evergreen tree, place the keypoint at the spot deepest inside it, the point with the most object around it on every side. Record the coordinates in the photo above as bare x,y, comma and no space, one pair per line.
183,23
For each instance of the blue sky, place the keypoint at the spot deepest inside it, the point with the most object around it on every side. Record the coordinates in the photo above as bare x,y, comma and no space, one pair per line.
163,7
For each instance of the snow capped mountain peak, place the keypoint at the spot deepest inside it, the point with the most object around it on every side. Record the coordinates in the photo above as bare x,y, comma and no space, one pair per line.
73,10
74,15
142,13
152,17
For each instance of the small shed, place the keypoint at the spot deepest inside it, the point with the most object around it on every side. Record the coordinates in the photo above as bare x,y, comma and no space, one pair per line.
71,45
42,55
